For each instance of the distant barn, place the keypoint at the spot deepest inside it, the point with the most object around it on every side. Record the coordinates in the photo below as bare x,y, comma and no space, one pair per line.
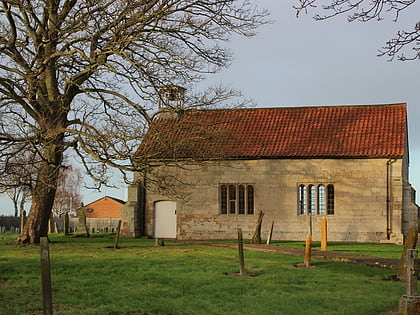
102,215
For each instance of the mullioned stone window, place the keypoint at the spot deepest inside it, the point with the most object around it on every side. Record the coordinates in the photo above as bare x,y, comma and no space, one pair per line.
316,199
236,199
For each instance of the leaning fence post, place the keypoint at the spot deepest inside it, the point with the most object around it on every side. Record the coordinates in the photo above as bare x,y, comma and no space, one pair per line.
256,239
270,235
46,276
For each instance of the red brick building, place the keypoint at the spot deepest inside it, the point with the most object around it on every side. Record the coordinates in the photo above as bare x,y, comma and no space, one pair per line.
105,207
102,215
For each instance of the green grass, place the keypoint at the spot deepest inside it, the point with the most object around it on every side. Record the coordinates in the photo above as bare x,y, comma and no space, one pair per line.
140,278
367,249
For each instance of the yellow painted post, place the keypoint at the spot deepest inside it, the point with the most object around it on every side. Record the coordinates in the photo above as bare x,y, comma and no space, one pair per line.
324,240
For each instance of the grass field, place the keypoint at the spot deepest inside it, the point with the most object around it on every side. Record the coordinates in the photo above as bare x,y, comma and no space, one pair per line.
88,277
368,249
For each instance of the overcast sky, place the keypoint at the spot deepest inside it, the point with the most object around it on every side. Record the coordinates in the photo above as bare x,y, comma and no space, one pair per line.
299,62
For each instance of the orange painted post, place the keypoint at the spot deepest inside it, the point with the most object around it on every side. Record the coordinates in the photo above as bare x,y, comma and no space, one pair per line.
324,240
308,249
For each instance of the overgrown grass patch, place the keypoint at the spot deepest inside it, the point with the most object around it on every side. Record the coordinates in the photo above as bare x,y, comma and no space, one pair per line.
140,278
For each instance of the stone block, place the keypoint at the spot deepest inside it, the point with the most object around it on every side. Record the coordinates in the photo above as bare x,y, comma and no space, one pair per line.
409,305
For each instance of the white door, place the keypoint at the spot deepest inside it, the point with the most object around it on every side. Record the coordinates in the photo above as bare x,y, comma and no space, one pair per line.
165,219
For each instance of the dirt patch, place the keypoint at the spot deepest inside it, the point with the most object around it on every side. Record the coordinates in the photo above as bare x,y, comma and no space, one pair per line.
303,266
237,274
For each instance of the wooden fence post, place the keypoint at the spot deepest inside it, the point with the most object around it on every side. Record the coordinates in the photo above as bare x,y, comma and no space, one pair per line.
324,246
270,235
159,242
46,276
117,236
308,250
256,239
241,253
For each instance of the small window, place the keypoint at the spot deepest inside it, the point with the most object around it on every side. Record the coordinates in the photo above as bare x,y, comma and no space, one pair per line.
316,199
236,199
232,199
223,199
241,202
302,199
250,199
321,199
330,199
311,199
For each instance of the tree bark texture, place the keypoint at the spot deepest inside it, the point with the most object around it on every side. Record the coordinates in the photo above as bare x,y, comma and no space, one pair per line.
43,194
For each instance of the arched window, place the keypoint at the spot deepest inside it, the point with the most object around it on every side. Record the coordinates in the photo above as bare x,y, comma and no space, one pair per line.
302,199
232,199
223,199
250,199
330,199
321,199
241,199
311,199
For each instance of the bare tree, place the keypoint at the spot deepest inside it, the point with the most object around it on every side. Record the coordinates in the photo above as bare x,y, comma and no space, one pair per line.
67,196
17,178
19,196
404,45
82,75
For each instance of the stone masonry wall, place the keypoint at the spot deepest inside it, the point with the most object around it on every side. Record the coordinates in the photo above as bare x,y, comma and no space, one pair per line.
360,199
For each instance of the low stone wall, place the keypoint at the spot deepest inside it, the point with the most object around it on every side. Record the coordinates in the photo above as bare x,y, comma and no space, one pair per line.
94,225
101,225
9,224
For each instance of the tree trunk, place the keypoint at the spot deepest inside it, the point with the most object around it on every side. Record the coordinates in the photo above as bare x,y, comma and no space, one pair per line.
43,195
15,204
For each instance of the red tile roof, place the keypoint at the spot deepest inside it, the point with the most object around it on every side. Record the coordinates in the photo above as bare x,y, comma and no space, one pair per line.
284,132
105,207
